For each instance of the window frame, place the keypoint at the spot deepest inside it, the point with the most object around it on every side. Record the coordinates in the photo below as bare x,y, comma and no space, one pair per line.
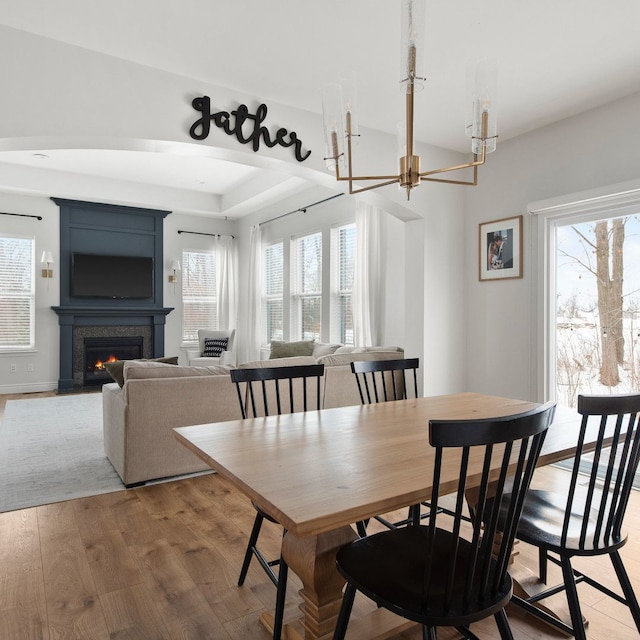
612,201
328,331
338,294
266,297
30,296
299,297
212,317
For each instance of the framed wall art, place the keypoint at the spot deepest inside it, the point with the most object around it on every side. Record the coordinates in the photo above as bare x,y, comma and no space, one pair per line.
500,249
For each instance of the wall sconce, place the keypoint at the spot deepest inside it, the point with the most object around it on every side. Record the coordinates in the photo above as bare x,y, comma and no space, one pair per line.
173,276
47,258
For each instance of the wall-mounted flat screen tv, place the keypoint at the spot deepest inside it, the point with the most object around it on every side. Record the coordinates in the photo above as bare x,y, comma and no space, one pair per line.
116,277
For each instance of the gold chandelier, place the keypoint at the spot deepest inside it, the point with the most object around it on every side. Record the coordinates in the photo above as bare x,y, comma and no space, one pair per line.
340,125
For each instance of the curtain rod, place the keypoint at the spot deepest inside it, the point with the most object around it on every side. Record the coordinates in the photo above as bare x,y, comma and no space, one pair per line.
201,233
301,209
21,215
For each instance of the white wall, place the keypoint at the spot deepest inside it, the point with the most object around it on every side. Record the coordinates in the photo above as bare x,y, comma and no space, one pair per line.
444,265
598,148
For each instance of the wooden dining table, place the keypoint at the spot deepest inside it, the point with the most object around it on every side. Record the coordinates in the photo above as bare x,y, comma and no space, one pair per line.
319,472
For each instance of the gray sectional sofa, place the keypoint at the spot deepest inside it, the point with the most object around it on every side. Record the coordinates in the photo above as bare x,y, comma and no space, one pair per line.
139,417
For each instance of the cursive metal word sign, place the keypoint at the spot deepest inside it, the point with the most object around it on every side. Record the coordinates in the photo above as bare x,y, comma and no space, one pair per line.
232,123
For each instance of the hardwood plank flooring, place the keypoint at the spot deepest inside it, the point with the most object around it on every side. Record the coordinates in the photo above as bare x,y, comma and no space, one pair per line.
162,561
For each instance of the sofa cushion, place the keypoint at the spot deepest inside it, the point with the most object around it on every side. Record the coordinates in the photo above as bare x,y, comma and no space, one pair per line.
281,349
136,370
116,369
337,359
324,349
345,349
213,347
279,362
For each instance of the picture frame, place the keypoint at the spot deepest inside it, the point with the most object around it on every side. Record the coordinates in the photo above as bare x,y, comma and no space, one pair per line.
500,249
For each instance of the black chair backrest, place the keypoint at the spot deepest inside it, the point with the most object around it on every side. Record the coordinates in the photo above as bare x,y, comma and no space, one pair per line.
384,380
511,445
608,478
277,389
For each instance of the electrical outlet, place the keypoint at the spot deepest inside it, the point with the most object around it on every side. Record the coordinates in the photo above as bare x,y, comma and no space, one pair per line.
30,367
13,368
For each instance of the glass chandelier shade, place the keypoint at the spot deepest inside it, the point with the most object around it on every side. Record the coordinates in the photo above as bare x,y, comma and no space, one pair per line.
334,131
412,29
482,89
349,86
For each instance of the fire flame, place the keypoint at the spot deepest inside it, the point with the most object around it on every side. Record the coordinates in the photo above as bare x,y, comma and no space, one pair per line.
99,365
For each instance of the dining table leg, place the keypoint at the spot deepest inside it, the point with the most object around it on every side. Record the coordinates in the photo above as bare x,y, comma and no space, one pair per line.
313,559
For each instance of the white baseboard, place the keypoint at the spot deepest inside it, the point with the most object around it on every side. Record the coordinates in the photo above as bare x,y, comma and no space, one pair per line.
28,387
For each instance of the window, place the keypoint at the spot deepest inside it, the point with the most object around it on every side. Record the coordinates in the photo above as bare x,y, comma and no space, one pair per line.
597,307
307,290
17,293
199,303
346,240
274,290
305,297
587,339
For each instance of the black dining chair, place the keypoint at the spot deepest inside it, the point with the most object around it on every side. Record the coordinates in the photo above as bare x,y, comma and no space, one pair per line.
274,391
586,519
456,574
384,381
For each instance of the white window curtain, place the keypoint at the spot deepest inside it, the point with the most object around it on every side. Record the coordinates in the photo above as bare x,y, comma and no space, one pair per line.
366,277
251,330
226,291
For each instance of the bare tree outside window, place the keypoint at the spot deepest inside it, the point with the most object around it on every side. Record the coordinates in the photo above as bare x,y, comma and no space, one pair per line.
597,308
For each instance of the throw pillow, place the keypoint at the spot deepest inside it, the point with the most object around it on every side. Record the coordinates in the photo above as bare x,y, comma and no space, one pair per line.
341,350
116,369
213,347
281,349
324,349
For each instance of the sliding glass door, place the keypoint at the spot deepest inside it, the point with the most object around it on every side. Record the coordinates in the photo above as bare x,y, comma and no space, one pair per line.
595,308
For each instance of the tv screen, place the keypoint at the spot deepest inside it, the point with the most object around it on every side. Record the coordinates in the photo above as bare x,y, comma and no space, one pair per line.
101,276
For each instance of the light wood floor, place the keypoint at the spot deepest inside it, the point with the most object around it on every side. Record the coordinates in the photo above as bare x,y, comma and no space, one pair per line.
161,562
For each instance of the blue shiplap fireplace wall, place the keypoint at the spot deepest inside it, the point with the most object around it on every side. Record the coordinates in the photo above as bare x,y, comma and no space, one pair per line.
89,227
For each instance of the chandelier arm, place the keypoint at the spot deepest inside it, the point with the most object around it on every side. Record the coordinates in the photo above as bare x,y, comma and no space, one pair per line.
392,178
373,186
475,164
469,183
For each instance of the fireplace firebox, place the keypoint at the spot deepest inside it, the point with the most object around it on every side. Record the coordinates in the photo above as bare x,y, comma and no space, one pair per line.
98,351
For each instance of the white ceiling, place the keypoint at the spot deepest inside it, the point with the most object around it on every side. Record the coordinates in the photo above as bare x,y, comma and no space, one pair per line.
557,59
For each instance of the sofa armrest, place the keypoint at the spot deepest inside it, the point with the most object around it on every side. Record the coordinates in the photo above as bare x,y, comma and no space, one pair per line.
114,417
154,406
228,358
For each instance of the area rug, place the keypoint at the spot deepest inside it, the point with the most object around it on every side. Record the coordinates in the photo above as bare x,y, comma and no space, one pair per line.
51,450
